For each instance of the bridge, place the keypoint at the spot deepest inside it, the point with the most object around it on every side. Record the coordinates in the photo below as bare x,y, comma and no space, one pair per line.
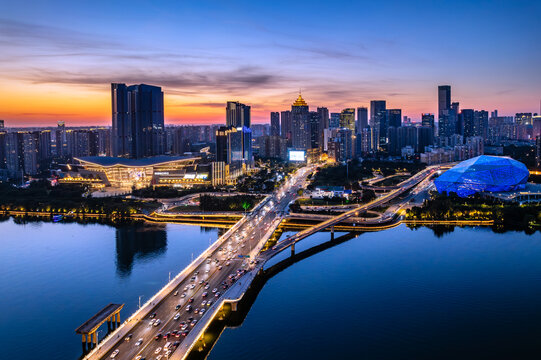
184,308
403,187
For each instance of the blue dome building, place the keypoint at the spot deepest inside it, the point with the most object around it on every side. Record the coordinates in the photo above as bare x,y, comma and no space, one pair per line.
483,173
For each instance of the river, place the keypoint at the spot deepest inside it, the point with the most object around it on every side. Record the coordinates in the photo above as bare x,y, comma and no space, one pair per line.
395,294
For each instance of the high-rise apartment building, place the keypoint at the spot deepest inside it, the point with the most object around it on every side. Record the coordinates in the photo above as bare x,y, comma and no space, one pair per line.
347,119
362,119
237,114
275,124
1,124
287,126
427,120
138,120
334,121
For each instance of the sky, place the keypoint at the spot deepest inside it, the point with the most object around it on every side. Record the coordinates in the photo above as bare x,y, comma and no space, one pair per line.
58,58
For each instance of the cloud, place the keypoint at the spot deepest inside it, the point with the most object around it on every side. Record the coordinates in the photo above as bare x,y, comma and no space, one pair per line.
22,34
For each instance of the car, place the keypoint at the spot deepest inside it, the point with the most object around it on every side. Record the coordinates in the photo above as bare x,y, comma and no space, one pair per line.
196,311
228,263
207,271
177,316
193,323
158,350
185,333
192,286
151,322
128,337
209,302
204,294
178,307
188,308
214,290
201,282
176,293
201,312
177,334
139,357
204,303
186,288
192,279
183,295
216,295
184,327
157,322
191,300
166,336
167,353
115,353
207,287
159,357
209,260
158,336
220,267
153,315
139,342
196,273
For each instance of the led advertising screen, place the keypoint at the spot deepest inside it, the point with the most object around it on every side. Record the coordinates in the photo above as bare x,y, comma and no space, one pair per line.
297,155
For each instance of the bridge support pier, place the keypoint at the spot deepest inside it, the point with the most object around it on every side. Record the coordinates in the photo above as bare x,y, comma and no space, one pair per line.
85,348
293,249
332,232
118,319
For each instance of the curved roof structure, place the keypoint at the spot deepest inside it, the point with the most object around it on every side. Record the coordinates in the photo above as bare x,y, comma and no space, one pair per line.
118,161
483,173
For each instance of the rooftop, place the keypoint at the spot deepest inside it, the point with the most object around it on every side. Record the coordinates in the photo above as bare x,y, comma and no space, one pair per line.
300,101
118,161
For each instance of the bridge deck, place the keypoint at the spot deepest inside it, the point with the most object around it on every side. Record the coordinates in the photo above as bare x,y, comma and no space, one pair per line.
99,318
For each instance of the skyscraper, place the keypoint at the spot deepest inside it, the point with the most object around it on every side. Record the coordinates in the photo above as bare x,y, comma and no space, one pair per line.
275,124
287,126
362,119
347,119
334,121
315,132
300,123
378,119
237,114
138,120
446,119
323,114
394,117
427,120
1,124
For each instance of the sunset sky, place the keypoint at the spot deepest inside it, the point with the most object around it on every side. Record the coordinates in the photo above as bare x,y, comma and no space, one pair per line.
58,58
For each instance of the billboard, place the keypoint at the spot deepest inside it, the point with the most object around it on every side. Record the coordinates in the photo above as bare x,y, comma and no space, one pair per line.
297,155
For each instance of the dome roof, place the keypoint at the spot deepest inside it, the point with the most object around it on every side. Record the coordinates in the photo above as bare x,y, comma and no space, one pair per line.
483,173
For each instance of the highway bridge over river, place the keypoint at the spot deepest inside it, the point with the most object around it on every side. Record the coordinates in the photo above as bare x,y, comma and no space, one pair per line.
185,307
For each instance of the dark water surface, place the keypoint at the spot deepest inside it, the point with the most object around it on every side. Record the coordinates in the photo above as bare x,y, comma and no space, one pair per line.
400,294
397,294
55,276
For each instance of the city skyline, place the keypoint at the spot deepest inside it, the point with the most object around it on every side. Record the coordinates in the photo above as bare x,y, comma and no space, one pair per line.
59,59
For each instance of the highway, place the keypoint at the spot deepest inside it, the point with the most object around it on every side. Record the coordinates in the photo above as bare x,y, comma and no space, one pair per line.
402,187
205,283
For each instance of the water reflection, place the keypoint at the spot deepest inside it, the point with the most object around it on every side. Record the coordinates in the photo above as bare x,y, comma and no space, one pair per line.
141,242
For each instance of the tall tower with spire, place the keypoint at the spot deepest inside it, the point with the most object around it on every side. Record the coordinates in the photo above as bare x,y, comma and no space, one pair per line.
300,138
